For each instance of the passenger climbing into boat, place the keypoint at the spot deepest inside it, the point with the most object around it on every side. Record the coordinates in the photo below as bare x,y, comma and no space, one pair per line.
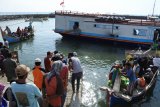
38,73
76,69
128,72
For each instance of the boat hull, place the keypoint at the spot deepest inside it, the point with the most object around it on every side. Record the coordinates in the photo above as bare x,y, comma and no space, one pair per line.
107,40
11,39
130,31
116,100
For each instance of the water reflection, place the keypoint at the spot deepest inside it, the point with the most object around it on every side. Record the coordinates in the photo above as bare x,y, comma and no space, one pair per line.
96,61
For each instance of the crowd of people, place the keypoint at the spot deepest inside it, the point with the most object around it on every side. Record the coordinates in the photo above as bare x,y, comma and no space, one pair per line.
135,72
49,86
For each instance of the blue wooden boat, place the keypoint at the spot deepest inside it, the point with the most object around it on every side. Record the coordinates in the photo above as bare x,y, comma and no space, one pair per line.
114,97
14,38
11,39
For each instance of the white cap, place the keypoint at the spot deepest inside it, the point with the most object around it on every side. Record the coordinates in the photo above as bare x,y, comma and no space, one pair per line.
37,60
75,53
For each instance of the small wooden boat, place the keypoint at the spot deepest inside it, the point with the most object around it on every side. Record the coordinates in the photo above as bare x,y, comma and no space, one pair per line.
11,39
117,96
14,38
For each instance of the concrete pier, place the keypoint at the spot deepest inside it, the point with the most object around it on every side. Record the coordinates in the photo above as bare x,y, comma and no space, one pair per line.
72,99
23,16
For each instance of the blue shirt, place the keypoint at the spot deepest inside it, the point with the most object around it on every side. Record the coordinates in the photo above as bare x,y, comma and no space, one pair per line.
3,102
131,75
30,90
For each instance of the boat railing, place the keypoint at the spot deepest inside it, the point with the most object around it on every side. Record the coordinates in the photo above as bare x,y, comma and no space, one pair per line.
67,12
129,20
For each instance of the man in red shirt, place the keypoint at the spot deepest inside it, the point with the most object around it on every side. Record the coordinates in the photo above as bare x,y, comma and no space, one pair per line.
47,61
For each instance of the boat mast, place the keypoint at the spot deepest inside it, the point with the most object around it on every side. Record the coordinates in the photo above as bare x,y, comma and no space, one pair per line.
153,7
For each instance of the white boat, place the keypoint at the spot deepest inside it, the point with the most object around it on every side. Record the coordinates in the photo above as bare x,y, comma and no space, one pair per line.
124,29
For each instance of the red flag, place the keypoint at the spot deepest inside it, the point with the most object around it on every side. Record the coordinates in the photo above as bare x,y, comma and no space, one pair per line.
62,3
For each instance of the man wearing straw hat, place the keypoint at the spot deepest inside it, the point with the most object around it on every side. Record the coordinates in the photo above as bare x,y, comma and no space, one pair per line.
26,94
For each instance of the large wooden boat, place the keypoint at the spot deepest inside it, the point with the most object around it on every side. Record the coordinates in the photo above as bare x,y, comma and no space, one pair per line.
116,96
123,29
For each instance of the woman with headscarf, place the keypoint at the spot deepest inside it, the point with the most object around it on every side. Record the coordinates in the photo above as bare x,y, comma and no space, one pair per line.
54,85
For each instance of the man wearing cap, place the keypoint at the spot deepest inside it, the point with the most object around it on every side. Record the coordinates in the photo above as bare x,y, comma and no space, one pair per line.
26,94
77,72
38,73
47,61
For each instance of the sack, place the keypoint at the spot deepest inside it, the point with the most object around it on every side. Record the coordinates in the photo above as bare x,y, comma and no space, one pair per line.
60,88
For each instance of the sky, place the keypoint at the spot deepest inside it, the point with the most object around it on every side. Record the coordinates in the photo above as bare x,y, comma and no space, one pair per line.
129,7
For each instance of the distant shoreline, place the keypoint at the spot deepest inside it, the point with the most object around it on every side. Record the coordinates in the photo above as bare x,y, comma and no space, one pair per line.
23,16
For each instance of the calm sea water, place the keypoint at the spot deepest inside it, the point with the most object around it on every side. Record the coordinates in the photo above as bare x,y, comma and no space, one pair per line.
96,59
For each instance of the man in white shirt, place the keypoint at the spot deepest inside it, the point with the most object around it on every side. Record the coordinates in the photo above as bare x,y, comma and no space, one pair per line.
77,72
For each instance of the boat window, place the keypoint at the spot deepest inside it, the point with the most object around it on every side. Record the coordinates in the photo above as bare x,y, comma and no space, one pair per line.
140,32
76,25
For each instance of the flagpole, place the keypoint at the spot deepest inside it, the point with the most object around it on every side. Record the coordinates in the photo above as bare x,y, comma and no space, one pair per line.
63,5
153,7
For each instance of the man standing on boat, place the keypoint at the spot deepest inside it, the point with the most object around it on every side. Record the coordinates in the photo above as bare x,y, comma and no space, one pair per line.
8,31
76,69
